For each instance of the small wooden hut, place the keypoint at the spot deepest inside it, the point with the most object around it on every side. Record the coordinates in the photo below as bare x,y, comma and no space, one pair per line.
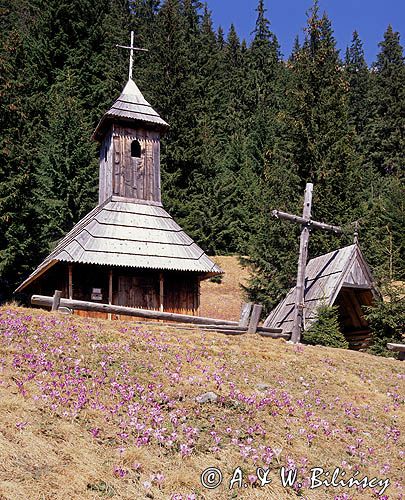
128,251
340,278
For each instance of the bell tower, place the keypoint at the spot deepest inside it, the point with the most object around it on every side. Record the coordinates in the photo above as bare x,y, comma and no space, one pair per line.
130,133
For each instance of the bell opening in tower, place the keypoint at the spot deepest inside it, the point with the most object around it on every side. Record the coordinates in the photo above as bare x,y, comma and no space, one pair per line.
136,151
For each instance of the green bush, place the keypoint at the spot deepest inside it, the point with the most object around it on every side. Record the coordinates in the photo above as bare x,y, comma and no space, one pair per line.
387,322
326,330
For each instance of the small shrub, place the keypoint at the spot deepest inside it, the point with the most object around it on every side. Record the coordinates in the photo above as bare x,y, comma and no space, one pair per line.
326,330
217,279
387,322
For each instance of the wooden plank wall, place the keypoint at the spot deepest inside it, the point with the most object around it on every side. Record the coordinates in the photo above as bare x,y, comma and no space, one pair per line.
181,293
131,288
129,177
106,169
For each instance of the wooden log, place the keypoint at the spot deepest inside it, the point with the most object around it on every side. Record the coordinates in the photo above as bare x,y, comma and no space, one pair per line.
56,300
261,329
255,318
42,300
226,332
357,338
70,280
398,348
306,221
358,332
274,335
245,313
298,317
277,332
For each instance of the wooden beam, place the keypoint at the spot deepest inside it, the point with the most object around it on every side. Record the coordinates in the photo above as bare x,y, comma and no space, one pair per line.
245,314
273,335
263,331
42,300
225,331
307,221
70,281
110,290
255,318
298,316
56,300
161,292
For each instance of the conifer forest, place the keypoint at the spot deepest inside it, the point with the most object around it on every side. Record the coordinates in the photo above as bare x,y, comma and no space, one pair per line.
249,127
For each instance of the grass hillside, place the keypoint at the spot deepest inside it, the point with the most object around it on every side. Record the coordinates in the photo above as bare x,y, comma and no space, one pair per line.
98,409
223,300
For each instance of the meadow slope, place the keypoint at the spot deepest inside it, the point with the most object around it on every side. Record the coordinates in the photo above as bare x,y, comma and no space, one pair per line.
98,409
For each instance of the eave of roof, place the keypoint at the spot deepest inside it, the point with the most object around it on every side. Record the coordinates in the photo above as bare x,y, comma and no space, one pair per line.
126,234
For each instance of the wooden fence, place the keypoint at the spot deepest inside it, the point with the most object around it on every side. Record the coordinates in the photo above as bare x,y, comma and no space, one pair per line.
248,322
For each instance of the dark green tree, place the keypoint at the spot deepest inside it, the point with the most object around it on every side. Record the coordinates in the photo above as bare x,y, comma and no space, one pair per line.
67,168
358,77
326,330
386,129
387,321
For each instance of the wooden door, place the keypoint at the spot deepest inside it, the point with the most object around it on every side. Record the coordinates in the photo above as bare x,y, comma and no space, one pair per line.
139,291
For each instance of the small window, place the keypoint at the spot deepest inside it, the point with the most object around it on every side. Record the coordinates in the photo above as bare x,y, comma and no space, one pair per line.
135,149
105,154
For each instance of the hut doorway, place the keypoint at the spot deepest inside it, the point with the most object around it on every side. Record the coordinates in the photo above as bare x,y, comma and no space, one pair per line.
350,302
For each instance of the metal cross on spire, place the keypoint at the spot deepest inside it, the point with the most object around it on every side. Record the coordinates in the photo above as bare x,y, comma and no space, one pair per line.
131,48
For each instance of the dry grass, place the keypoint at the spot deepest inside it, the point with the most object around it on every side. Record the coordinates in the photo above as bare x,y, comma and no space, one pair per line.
224,300
63,377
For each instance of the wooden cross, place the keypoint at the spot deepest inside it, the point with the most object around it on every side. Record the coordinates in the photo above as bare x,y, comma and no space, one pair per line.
131,48
307,224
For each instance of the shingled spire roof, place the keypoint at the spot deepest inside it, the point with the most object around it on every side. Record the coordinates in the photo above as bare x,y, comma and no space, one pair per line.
133,107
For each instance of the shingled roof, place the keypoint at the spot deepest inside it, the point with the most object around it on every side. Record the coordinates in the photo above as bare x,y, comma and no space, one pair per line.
131,106
325,277
127,234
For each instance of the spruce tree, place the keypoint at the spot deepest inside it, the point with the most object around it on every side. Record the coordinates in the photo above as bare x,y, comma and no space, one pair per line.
358,77
326,329
386,130
67,169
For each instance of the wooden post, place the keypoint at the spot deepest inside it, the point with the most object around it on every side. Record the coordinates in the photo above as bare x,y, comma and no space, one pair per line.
307,224
399,348
161,292
245,314
198,295
70,280
255,318
56,300
110,290
302,263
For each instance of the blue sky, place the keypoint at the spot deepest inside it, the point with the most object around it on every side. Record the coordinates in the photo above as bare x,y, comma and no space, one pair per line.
288,18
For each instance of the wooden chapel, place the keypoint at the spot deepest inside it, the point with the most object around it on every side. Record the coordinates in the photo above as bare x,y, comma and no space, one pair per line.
128,250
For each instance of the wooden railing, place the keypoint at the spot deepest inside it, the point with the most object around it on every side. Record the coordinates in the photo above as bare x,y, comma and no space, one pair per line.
248,323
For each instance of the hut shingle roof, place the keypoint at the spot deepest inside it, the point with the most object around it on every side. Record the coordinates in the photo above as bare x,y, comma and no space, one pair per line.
325,276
